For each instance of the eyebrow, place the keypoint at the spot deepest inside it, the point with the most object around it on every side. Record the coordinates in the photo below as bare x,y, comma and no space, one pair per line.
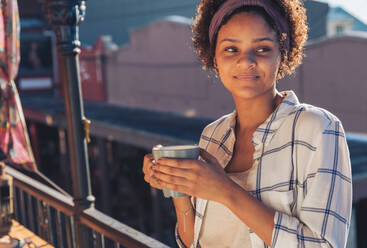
263,39
254,40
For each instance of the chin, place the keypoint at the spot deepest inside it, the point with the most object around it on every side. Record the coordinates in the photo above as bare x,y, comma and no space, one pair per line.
249,94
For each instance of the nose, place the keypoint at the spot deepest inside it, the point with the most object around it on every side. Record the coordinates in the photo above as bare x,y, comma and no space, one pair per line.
246,61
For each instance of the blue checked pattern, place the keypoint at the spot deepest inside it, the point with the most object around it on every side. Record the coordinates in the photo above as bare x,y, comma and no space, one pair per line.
301,169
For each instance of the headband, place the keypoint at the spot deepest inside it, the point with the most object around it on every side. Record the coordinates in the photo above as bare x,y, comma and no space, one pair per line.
229,6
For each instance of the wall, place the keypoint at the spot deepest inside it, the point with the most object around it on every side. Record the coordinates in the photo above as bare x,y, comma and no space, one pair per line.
334,76
159,70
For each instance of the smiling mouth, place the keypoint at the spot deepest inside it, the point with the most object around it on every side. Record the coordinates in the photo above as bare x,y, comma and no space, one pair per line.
247,77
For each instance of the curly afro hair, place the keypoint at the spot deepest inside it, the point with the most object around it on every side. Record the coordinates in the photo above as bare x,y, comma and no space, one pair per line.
298,28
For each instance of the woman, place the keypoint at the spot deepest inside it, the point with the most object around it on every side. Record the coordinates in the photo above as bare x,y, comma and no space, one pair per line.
275,172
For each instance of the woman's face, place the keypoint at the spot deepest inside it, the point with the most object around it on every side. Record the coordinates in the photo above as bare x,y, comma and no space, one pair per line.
247,56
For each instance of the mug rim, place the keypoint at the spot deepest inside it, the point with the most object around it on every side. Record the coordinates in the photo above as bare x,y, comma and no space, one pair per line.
176,148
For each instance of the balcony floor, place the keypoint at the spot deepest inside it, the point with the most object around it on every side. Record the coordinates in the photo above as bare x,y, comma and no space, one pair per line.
18,231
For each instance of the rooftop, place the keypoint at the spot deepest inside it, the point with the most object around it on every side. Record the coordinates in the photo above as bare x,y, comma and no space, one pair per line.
170,127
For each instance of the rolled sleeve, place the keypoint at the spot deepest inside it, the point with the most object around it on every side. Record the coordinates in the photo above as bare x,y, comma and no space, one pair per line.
323,217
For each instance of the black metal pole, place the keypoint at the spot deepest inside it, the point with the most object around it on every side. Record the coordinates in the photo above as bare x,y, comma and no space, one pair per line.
361,218
65,15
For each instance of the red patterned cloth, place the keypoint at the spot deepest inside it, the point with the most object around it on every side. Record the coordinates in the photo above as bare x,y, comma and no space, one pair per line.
14,141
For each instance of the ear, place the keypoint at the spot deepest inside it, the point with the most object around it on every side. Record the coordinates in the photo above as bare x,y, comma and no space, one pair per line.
215,65
215,62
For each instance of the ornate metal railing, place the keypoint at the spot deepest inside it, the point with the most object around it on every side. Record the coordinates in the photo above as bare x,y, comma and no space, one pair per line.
61,220
50,214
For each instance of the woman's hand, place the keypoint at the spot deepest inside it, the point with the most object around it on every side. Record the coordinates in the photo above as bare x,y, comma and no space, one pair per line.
148,172
206,180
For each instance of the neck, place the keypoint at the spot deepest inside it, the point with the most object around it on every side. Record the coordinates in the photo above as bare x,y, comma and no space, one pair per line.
251,113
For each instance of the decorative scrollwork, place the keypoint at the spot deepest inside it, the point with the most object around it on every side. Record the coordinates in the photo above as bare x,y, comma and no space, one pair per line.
64,12
65,16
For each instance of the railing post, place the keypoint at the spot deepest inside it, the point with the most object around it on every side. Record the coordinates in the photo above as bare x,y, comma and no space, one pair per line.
65,16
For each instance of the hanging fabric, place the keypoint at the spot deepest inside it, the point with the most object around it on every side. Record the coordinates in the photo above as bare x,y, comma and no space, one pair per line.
14,140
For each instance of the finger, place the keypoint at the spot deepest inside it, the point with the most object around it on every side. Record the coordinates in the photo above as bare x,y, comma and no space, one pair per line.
178,188
178,163
208,157
155,183
148,157
174,171
147,164
165,178
147,178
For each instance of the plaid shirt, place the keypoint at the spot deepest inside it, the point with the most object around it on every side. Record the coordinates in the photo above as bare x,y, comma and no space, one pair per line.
301,169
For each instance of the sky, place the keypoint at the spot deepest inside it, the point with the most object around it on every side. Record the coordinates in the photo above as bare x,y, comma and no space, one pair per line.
358,8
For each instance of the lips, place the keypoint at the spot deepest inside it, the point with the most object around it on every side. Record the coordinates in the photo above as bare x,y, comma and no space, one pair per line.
247,77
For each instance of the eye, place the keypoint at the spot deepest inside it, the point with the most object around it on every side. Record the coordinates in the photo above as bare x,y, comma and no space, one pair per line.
231,49
263,50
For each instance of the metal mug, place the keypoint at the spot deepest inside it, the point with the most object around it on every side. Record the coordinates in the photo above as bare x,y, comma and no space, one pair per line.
180,151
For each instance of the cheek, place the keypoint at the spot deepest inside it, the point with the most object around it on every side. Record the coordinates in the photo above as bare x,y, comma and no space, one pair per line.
223,66
272,66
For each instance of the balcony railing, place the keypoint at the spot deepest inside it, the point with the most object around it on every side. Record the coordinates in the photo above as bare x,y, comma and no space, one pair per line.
50,214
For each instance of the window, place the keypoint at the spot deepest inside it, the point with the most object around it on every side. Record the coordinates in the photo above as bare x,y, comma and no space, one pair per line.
339,29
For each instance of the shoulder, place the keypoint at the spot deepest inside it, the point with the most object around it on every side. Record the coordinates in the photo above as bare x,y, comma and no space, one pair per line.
314,118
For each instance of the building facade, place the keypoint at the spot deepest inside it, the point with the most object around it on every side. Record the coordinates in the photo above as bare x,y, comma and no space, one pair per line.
340,21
